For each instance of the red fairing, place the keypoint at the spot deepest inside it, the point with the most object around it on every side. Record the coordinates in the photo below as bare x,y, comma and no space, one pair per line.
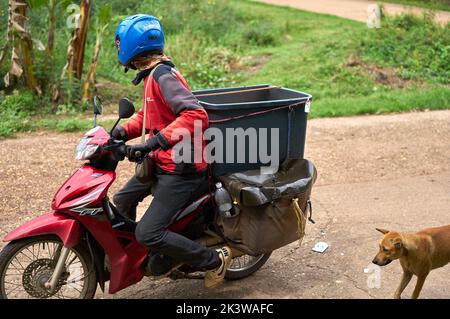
86,187
125,253
99,136
126,263
67,229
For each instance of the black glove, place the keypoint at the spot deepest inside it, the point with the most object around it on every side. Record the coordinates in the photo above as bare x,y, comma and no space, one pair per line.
119,133
150,145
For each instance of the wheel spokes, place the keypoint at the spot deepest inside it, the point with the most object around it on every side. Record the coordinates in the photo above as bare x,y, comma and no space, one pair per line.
243,262
33,265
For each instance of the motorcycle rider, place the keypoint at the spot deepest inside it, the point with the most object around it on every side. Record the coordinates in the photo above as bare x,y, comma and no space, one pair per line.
170,106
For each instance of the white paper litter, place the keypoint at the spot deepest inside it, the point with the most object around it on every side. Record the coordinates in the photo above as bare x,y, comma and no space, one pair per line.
320,247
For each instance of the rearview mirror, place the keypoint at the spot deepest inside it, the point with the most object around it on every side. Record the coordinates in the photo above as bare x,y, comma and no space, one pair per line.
98,106
126,108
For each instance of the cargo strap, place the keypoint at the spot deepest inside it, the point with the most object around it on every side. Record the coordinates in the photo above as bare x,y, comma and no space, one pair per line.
256,113
301,220
145,106
310,212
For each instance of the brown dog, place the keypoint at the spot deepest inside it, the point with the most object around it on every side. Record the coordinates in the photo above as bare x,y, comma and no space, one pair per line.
419,253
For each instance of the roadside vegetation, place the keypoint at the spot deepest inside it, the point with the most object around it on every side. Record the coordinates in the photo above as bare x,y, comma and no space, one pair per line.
348,68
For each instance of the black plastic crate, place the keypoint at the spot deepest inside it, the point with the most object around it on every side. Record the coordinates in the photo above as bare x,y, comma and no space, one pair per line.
260,106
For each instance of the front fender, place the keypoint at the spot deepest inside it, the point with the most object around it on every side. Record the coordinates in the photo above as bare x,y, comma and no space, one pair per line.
66,228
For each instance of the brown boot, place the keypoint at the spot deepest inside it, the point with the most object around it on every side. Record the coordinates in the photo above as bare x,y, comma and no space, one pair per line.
215,277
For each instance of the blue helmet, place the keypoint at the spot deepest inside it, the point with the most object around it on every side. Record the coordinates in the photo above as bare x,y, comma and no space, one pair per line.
138,34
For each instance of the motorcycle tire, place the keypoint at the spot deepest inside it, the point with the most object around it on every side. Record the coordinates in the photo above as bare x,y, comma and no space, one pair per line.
34,289
245,269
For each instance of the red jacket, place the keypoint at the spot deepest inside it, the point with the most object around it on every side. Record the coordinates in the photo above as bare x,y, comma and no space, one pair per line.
170,106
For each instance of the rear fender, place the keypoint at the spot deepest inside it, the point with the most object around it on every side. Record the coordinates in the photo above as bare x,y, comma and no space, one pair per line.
66,228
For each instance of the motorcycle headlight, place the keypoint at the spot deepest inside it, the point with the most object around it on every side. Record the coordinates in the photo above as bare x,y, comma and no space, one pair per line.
85,151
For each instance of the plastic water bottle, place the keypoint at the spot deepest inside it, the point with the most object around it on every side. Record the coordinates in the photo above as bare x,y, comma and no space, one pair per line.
223,200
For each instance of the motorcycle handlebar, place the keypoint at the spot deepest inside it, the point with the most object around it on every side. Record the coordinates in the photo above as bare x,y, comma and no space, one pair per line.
118,148
121,150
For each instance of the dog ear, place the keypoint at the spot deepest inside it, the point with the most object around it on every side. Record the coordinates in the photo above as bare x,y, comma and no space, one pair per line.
383,231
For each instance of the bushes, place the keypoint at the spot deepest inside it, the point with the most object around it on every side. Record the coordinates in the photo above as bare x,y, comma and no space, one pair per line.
15,112
203,64
260,34
213,19
19,110
18,103
72,125
417,47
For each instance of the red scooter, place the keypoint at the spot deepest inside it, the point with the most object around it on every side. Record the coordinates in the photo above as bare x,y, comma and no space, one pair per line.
85,241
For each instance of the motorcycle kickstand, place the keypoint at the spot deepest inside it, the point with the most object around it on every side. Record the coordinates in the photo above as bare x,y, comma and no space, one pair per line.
51,284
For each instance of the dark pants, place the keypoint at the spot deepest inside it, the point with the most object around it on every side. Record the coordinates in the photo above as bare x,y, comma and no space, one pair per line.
170,194
130,195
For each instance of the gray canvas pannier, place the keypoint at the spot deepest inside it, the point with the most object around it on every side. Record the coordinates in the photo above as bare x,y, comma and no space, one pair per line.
270,210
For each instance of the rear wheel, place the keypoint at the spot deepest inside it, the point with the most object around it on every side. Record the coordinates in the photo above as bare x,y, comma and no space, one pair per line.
245,265
27,264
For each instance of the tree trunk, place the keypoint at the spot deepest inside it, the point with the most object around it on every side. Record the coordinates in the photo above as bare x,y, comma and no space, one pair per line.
22,50
51,30
9,37
75,50
49,50
90,78
81,44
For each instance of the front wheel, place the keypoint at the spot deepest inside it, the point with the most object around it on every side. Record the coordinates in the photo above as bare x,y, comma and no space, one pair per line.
27,264
245,265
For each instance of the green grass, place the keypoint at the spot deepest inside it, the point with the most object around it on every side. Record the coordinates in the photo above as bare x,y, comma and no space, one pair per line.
311,55
418,48
31,124
428,4
18,114
316,59
70,124
383,102
61,124
348,68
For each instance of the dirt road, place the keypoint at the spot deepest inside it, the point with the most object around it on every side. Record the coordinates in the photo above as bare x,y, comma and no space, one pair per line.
390,171
353,9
